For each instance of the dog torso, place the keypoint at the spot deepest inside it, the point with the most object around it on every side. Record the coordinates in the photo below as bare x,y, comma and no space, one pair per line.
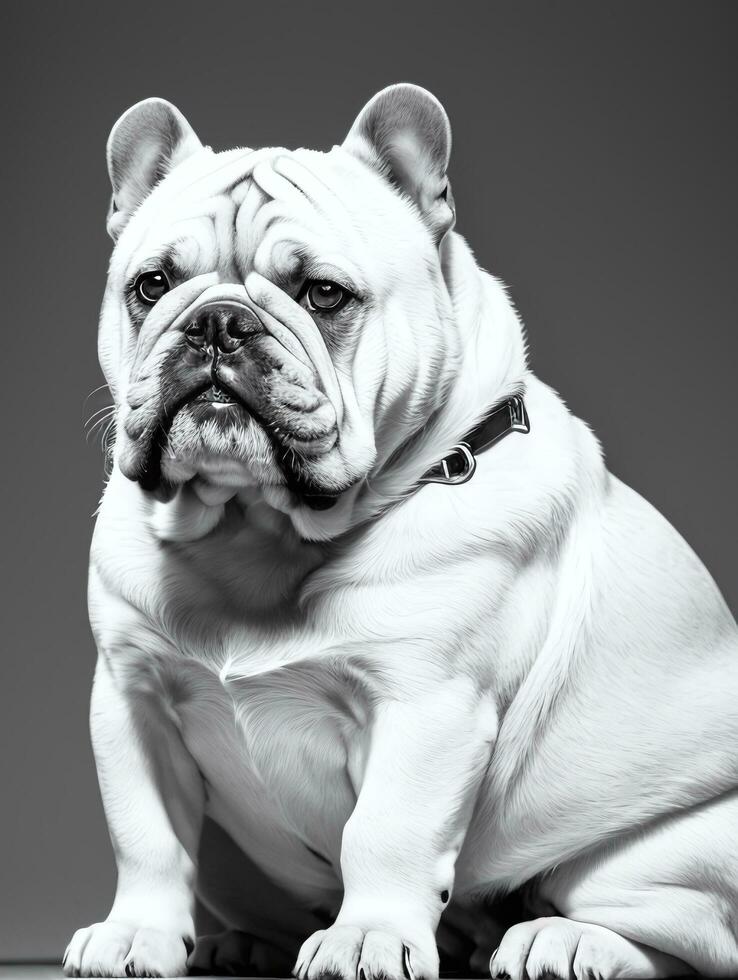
294,640
269,652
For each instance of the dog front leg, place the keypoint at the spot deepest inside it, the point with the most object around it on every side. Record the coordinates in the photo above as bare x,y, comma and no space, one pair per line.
154,802
426,758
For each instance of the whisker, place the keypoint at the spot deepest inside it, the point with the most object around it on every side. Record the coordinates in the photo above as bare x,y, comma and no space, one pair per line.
108,445
100,411
91,426
95,391
102,421
109,410
101,424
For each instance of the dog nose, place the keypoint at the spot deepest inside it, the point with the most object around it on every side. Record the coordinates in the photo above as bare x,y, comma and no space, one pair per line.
224,328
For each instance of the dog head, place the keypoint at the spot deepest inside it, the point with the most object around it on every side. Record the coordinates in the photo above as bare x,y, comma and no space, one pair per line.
277,318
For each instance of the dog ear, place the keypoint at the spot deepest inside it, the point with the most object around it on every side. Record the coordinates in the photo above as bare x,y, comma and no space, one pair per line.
404,133
148,141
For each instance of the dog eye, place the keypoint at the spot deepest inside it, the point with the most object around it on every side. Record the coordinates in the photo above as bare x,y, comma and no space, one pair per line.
326,296
151,286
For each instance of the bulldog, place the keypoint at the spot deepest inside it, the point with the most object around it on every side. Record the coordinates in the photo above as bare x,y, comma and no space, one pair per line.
381,641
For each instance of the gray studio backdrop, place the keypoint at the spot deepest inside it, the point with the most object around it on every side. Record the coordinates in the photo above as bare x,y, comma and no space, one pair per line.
594,168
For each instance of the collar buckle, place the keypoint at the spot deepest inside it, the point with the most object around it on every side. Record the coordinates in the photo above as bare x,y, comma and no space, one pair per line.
457,467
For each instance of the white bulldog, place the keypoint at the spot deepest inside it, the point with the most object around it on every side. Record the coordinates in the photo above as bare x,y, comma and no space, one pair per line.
380,691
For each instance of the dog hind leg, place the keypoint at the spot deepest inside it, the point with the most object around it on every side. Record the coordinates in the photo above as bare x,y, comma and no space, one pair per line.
672,886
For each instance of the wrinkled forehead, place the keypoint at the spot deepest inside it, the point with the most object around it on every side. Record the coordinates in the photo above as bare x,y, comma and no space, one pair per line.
269,209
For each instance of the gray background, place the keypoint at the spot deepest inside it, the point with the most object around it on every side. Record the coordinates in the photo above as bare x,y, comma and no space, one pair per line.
594,167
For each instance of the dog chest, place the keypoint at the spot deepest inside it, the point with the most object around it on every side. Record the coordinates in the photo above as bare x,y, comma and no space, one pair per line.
281,753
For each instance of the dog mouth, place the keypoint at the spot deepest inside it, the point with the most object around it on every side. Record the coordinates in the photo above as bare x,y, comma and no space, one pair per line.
216,396
251,412
305,443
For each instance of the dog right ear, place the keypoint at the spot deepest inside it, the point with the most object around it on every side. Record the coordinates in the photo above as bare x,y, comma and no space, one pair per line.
146,143
404,133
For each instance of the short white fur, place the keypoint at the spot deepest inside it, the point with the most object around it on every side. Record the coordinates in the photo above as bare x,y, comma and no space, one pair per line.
418,695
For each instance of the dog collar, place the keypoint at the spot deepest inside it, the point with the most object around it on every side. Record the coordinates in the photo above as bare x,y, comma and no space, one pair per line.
459,465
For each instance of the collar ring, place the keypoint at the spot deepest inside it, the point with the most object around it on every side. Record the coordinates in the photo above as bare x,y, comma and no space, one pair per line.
456,467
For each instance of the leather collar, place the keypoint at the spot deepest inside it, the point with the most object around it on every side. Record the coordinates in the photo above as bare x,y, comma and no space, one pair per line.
459,465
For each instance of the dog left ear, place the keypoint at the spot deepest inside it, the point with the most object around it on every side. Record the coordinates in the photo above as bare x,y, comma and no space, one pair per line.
404,133
146,143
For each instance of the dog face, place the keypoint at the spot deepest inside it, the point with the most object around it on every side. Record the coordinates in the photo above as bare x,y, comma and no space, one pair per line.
277,318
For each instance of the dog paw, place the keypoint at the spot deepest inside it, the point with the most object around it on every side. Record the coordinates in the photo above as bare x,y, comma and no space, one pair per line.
116,949
558,949
350,952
